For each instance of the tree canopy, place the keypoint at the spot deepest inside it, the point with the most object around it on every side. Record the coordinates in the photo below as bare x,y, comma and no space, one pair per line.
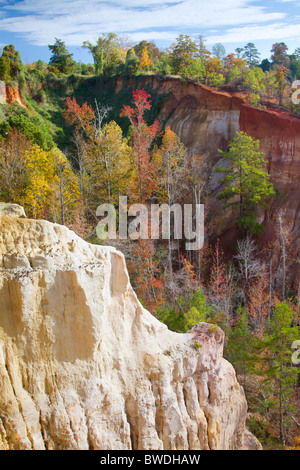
61,58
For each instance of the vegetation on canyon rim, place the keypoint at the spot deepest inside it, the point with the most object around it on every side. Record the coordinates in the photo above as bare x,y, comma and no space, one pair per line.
60,157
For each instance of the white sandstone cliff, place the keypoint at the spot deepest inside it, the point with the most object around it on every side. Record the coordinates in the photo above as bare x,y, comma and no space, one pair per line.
84,366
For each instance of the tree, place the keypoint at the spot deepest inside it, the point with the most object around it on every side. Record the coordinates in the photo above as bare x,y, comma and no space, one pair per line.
107,52
147,278
197,310
234,68
248,183
81,117
240,348
279,54
295,67
65,194
251,54
13,172
203,53
265,65
280,78
259,299
279,370
10,63
5,67
183,52
132,62
284,231
153,51
108,164
169,159
146,62
248,265
143,136
219,51
61,58
239,51
221,286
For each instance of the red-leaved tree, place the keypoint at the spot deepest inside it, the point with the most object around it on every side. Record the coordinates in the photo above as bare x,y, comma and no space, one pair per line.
143,137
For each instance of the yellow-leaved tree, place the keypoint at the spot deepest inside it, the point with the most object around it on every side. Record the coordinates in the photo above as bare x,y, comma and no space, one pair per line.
65,205
108,164
38,190
52,190
146,62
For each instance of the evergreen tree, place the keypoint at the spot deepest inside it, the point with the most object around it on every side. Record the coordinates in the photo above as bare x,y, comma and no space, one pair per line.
251,54
10,63
61,57
279,369
183,52
248,182
240,350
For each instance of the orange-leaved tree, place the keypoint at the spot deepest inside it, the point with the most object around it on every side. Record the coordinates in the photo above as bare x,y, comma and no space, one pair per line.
143,137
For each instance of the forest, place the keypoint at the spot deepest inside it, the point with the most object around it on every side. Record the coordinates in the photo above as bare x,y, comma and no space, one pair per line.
62,156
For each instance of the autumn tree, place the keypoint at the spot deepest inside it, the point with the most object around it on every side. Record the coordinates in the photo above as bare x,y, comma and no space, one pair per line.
108,164
279,54
248,265
82,119
147,278
143,137
259,300
153,51
183,52
283,243
52,189
65,193
280,81
220,288
169,159
13,171
145,62
248,185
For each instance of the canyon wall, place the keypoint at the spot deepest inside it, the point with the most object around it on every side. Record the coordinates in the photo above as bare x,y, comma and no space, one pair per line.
10,94
206,120
84,366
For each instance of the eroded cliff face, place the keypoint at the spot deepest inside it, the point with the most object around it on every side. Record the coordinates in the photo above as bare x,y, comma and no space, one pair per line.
279,136
206,120
9,94
84,366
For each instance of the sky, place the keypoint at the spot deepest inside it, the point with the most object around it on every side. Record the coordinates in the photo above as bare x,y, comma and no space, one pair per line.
33,24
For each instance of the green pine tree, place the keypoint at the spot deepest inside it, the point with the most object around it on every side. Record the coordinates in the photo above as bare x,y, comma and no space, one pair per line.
61,57
278,367
240,349
10,64
248,184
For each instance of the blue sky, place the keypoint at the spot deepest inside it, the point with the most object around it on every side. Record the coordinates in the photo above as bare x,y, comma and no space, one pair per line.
33,24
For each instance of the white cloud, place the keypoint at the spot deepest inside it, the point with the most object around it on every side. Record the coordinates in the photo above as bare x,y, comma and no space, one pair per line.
40,21
277,31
